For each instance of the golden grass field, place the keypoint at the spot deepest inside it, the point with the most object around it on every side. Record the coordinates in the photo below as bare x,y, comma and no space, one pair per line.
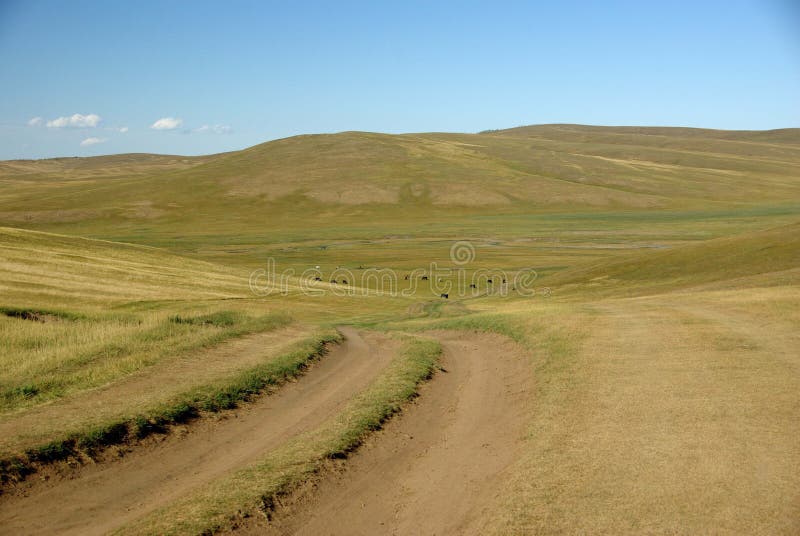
664,356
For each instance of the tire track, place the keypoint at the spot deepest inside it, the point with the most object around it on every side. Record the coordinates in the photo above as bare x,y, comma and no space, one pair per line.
436,468
104,497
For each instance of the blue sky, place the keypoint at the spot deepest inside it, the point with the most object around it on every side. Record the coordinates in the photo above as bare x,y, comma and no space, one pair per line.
227,75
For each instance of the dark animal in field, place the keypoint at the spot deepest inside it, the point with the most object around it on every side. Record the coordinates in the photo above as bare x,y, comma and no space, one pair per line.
333,281
473,285
344,281
489,281
317,279
504,281
445,296
424,277
406,278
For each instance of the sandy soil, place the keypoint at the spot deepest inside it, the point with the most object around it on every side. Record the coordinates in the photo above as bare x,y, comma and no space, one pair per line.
433,469
98,499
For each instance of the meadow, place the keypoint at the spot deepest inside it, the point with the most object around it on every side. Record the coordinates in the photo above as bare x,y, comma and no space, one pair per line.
661,340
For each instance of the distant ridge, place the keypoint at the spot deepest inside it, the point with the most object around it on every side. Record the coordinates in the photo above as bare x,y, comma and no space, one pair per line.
365,175
781,135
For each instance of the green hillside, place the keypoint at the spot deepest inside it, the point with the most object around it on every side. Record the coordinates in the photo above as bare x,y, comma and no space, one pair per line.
661,270
550,166
313,191
763,253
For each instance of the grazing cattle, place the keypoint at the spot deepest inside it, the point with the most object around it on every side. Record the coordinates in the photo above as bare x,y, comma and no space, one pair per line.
406,278
504,281
344,281
473,285
333,281
424,277
489,281
317,279
445,296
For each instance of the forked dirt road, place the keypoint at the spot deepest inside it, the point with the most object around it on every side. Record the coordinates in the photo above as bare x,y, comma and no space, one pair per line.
436,468
432,470
103,497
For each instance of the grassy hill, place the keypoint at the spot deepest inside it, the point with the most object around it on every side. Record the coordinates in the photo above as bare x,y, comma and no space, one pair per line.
750,255
316,190
549,166
664,355
76,313
38,268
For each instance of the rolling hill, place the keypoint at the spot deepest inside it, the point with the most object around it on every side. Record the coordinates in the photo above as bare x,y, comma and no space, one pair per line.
316,190
660,342
541,167
773,253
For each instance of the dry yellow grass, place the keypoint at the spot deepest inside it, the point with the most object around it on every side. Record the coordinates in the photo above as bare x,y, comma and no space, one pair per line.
126,396
666,414
666,360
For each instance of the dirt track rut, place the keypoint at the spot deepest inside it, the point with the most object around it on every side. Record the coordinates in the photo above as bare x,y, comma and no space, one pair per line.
436,468
103,497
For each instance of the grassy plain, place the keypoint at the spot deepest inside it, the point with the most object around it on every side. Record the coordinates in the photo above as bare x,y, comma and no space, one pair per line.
666,357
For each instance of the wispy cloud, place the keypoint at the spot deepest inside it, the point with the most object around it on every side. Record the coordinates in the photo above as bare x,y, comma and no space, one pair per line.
213,129
35,121
123,130
75,121
167,123
92,141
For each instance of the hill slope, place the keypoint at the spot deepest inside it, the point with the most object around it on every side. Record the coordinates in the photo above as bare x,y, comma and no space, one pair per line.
758,254
544,167
40,269
312,191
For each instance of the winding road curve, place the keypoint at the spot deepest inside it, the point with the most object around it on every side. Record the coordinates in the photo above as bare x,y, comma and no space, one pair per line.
437,467
102,498
434,469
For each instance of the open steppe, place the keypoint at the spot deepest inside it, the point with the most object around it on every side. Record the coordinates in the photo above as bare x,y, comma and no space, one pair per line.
645,378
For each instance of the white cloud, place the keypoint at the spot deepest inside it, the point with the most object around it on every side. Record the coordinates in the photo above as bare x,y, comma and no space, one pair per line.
167,123
35,121
92,141
123,129
75,121
214,129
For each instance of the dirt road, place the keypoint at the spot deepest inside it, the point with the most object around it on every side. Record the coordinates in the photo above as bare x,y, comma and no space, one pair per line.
104,497
437,467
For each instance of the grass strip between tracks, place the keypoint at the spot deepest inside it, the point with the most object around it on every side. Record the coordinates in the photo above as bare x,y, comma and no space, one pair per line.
218,396
220,503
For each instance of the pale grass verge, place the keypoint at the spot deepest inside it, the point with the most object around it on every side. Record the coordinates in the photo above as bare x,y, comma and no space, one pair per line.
41,361
136,394
663,415
223,394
